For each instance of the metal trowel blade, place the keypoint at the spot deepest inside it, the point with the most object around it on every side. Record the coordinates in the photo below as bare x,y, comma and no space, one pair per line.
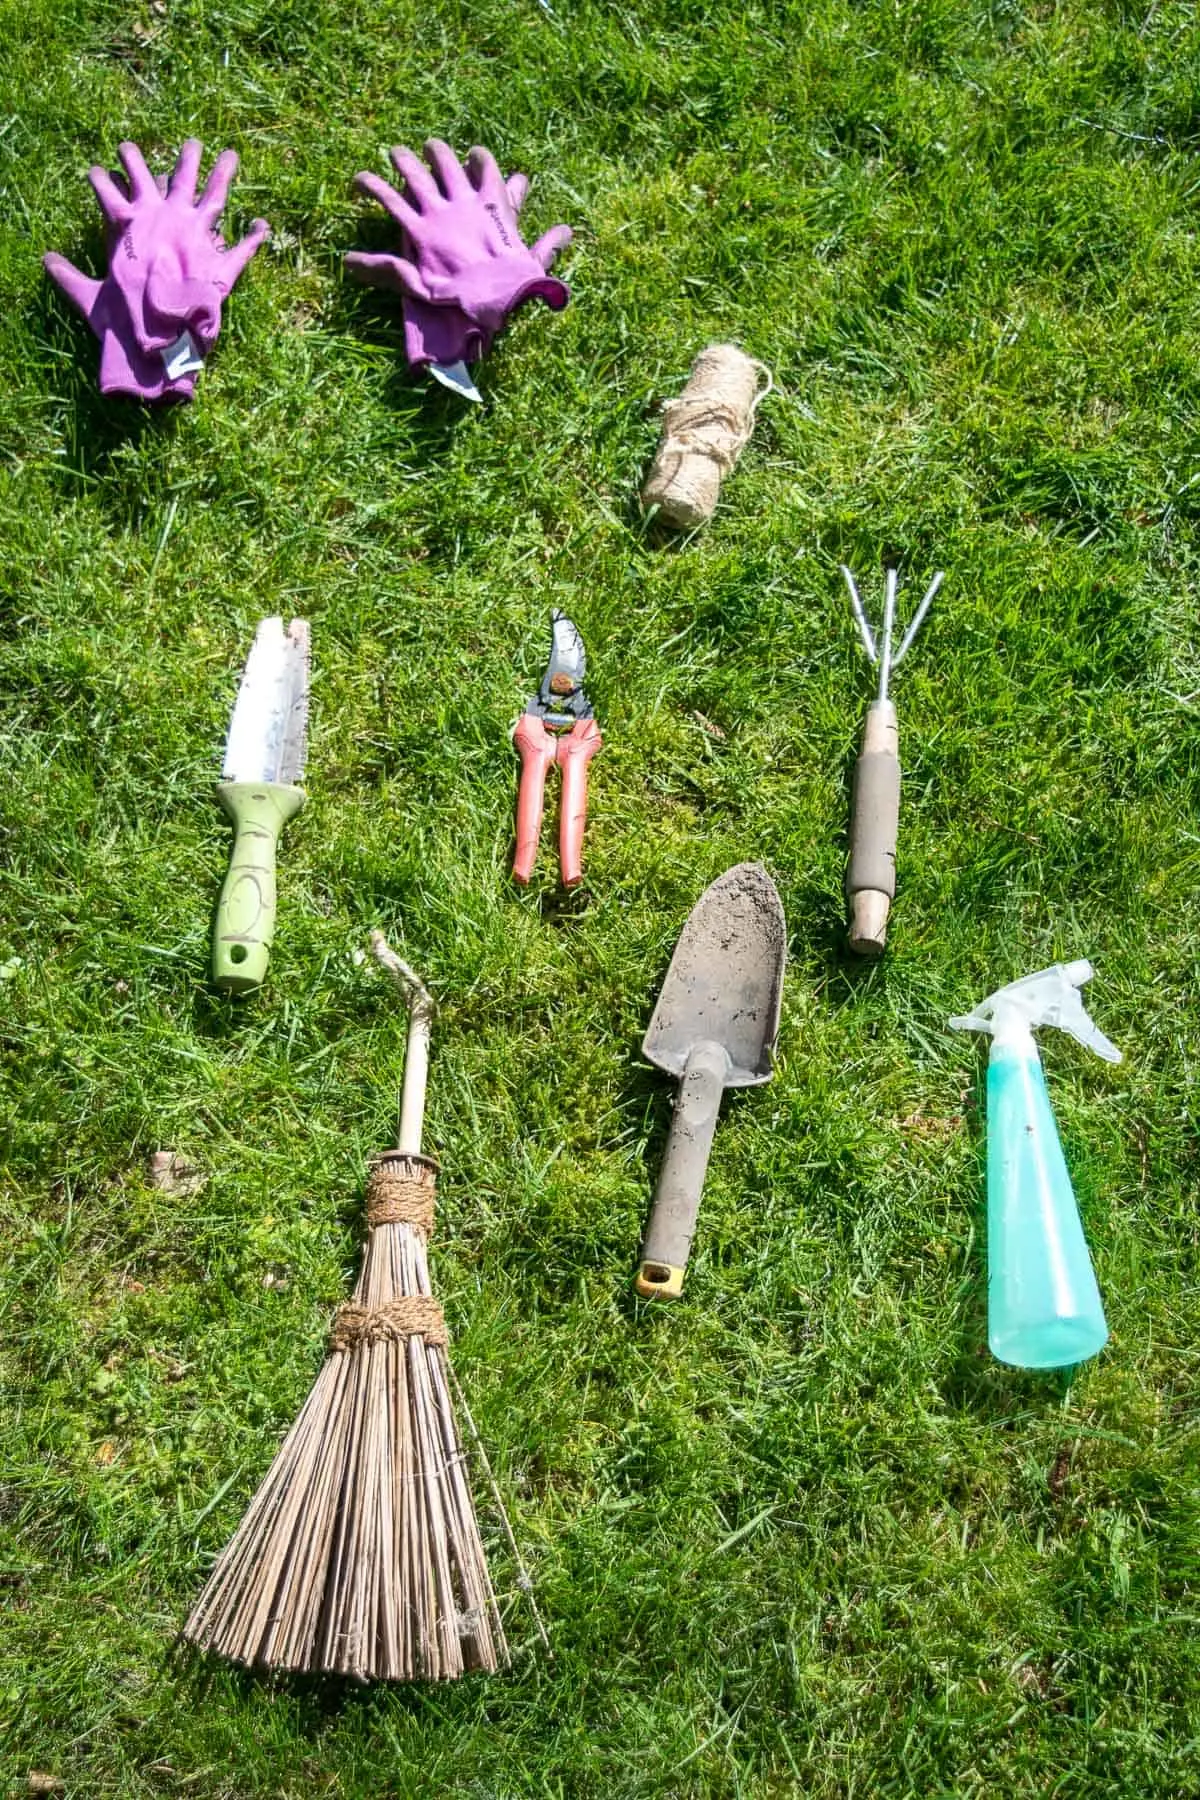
725,982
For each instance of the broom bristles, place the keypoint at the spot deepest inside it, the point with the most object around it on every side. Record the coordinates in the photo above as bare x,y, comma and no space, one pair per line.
360,1554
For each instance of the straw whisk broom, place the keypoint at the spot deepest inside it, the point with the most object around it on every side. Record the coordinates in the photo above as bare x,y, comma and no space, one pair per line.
360,1554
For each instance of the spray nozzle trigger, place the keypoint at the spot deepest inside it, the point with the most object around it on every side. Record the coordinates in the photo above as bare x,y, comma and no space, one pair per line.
1051,997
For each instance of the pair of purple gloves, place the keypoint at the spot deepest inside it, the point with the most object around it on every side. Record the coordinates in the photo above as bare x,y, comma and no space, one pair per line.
462,270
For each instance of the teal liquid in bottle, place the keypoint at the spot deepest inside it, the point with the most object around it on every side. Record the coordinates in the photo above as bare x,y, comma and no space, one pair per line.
1044,1309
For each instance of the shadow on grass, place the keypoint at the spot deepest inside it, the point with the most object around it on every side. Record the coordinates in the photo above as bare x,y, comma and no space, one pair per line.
558,905
100,426
820,936
220,1017
321,1700
994,1392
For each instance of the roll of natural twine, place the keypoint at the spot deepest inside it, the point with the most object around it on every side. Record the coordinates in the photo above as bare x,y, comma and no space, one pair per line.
704,433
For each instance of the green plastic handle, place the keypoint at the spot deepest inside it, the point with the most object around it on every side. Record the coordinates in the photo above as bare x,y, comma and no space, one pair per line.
245,922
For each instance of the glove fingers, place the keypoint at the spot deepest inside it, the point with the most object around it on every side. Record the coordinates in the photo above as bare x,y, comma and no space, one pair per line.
393,203
114,203
543,287
183,182
422,188
234,260
141,181
211,203
81,290
550,243
516,187
391,272
446,167
483,172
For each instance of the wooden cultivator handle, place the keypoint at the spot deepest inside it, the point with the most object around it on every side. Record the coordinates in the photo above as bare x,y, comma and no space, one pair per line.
874,827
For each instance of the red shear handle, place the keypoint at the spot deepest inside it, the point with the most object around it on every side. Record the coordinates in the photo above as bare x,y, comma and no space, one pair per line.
575,752
535,747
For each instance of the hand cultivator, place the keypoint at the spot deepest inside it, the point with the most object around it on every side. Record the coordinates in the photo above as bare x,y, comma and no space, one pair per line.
875,809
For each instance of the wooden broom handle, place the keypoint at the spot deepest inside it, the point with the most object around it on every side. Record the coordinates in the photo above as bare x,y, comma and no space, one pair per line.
416,1056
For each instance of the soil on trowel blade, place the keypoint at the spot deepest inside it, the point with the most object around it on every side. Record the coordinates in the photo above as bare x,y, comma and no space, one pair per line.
726,977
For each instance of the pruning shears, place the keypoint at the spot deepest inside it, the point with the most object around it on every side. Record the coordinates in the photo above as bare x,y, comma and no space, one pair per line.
556,726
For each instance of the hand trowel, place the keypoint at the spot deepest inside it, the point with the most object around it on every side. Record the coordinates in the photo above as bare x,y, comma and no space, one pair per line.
260,792
714,1027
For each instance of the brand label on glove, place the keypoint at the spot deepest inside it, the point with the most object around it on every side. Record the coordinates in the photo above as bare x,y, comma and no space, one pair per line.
182,357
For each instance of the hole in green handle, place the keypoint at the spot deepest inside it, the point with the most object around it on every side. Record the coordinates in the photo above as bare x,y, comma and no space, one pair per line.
238,954
656,1273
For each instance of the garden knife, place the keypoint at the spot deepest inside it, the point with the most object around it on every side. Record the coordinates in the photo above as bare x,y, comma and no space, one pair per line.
264,761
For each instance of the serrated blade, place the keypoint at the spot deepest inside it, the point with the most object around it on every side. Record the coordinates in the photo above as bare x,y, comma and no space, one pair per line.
268,728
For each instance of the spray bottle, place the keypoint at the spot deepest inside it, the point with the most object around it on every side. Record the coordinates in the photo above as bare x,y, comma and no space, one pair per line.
1044,1309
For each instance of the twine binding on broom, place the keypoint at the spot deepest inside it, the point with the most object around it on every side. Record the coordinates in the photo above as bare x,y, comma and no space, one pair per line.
401,1190
414,1316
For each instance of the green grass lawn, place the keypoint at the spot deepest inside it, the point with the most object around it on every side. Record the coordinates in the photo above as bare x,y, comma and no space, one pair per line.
799,1535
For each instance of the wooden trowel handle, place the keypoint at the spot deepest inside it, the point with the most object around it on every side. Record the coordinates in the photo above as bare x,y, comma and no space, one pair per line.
681,1179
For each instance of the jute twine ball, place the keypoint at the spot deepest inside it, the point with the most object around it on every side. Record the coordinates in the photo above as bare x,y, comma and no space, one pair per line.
704,433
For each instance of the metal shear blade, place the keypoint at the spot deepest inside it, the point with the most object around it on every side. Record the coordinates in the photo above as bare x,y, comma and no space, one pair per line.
560,700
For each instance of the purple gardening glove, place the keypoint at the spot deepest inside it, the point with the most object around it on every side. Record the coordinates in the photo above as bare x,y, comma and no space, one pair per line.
461,252
124,367
168,273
